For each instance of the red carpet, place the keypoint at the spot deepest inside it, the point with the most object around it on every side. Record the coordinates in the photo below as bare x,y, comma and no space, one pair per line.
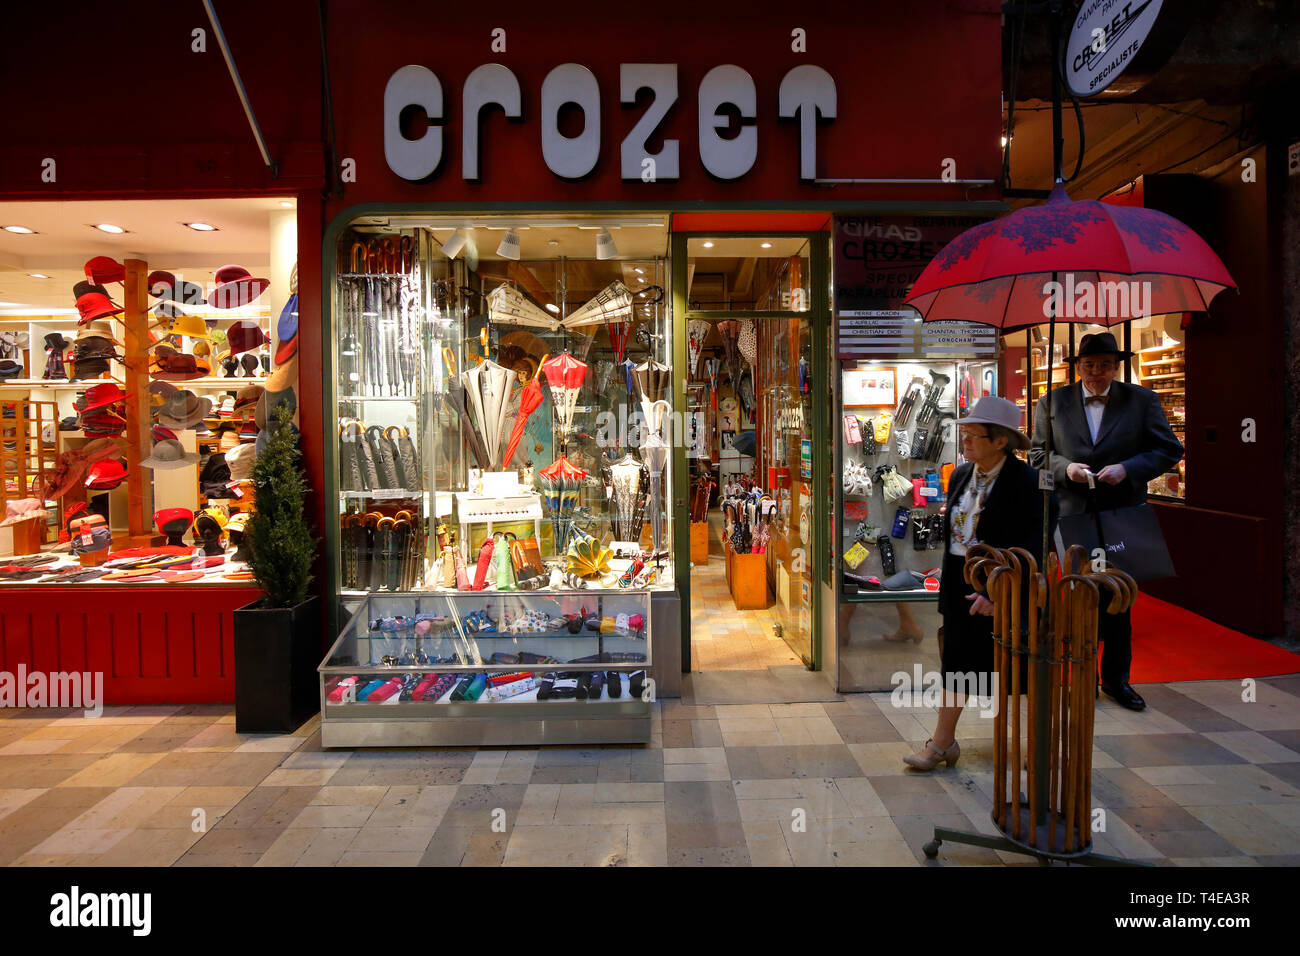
1171,644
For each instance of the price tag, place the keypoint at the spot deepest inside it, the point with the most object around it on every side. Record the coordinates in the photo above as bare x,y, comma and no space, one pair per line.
234,486
1046,481
87,539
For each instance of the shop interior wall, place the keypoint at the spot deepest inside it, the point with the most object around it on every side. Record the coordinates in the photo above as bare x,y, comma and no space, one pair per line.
1226,541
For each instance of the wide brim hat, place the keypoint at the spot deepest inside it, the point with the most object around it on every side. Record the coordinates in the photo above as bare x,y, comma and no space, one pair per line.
182,323
183,406
991,410
248,397
163,285
169,454
1099,343
286,350
56,341
179,368
236,287
10,369
101,396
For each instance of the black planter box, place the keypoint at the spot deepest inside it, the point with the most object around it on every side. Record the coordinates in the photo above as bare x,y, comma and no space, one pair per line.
277,650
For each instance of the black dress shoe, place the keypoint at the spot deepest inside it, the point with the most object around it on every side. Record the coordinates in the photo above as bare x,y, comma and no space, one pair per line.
1125,696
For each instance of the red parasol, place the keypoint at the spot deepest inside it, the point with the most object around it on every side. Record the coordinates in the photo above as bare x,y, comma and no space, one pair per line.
564,374
529,400
1105,259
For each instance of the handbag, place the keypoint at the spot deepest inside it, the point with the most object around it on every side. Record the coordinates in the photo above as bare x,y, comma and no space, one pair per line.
526,555
1130,537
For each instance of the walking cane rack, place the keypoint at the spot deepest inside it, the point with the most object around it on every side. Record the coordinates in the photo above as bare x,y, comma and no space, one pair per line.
1044,634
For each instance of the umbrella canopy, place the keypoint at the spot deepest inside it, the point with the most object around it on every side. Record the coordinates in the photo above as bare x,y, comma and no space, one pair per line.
625,479
652,380
561,482
487,386
1107,259
698,331
455,396
508,306
730,332
611,304
530,398
655,453
564,374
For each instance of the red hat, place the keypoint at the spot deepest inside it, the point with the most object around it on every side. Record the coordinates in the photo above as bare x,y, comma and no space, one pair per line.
104,269
94,305
105,474
99,396
236,287
245,336
286,350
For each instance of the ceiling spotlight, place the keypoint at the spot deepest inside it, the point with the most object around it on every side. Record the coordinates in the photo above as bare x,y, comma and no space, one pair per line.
198,226
605,248
639,271
765,245
109,227
708,243
1004,142
36,275
21,230
286,203
454,244
509,248
552,307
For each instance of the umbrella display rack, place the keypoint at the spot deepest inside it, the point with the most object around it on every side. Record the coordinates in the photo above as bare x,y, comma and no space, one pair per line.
1052,660
472,509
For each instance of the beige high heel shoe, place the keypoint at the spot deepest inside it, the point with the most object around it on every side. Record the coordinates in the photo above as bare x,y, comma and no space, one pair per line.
932,756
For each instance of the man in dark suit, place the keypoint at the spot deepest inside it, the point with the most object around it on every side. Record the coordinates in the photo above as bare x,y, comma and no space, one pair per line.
1118,434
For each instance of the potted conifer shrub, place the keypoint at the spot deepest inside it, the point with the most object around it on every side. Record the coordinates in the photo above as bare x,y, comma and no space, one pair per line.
277,639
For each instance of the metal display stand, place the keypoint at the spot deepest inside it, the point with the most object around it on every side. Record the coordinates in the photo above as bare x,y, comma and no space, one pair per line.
1060,664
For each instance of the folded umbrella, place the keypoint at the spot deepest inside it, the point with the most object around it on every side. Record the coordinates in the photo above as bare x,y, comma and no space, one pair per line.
455,397
530,398
508,306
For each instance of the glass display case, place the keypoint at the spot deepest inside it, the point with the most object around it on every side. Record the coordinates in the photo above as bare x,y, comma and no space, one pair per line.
898,448
554,667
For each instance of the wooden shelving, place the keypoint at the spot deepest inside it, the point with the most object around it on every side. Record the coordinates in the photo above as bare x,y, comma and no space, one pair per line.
1157,366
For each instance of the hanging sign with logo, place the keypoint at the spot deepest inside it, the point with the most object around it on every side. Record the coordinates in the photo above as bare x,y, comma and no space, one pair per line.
1104,41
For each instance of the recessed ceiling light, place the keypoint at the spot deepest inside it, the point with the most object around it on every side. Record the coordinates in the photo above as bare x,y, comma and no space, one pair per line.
21,230
640,271
37,275
765,245
109,227
201,227
552,307
285,203
708,244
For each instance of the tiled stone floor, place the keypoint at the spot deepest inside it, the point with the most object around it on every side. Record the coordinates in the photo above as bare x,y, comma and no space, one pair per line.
723,638
1201,778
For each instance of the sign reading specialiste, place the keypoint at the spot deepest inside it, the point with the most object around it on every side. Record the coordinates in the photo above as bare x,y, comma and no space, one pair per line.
877,259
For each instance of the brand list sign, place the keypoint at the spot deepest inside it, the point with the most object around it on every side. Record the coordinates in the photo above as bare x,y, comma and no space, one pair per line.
877,259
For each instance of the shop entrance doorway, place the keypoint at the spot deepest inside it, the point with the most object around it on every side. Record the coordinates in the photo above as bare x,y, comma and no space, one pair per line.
748,326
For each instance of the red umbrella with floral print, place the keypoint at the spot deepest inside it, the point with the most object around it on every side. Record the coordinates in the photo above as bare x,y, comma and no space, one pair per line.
1083,261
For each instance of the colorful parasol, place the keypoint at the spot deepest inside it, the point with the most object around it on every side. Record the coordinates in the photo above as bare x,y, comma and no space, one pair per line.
560,484
748,342
564,374
508,306
711,366
698,330
530,398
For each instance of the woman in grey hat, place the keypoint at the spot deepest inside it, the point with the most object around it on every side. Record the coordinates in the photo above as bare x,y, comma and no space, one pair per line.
993,500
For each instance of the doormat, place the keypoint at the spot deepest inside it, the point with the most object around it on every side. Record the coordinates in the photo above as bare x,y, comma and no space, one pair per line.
793,684
1173,644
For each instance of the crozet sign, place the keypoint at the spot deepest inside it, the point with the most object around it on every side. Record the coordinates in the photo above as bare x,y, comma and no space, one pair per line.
1104,41
807,93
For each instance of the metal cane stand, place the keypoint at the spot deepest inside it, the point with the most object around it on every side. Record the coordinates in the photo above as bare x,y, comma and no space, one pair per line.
1057,653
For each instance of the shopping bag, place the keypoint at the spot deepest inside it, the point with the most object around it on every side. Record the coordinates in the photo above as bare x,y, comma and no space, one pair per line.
1130,538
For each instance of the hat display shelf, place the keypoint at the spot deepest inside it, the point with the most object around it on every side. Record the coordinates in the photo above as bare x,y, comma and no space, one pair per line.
25,466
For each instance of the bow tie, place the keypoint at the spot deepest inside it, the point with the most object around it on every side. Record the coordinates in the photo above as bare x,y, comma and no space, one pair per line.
1098,399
